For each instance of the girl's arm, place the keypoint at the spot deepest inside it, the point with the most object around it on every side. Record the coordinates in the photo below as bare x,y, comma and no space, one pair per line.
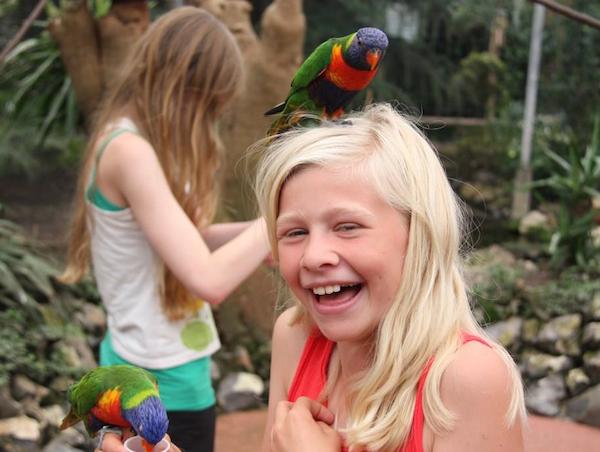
218,234
286,348
476,387
130,174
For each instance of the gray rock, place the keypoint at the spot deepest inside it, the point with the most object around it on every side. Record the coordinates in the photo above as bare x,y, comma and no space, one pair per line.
544,395
215,370
531,328
593,311
585,407
20,428
577,381
76,353
53,415
69,440
591,364
240,391
538,364
533,222
9,407
61,384
92,318
560,336
591,336
23,387
507,332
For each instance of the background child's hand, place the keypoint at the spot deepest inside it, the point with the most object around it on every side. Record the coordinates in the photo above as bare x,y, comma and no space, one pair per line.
270,261
304,425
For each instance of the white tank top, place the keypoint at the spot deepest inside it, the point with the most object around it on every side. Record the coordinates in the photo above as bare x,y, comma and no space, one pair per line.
126,269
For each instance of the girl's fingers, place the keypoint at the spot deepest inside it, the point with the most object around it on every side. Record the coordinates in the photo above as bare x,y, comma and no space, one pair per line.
282,409
317,410
111,442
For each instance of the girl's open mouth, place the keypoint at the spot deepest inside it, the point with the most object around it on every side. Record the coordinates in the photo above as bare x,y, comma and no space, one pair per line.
331,299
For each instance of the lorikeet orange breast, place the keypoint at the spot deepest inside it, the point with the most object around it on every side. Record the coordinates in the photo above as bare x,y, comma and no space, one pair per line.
120,395
331,76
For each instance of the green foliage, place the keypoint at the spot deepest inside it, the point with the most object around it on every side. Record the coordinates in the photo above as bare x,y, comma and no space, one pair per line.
479,77
496,290
35,311
7,6
39,110
572,291
574,182
99,7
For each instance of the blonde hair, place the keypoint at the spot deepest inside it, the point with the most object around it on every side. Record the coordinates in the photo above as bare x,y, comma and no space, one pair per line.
179,78
431,310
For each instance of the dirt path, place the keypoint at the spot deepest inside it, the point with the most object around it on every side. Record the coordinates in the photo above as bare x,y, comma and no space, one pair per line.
242,432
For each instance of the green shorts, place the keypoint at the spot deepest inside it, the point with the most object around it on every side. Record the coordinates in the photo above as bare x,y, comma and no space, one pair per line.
182,388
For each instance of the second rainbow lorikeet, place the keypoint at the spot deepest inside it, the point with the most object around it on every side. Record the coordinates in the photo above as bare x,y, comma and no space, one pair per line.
330,77
119,395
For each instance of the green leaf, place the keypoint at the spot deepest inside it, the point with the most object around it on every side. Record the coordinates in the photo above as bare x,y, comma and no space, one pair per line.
9,282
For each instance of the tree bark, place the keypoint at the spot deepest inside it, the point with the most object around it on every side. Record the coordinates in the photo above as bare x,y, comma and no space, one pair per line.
94,50
75,32
118,32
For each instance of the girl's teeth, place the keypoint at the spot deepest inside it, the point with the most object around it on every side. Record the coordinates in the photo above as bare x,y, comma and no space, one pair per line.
326,290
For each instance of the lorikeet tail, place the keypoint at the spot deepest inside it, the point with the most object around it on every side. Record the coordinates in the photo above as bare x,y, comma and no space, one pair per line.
276,109
69,420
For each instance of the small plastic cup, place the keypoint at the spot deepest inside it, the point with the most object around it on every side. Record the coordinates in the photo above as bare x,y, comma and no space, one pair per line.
134,444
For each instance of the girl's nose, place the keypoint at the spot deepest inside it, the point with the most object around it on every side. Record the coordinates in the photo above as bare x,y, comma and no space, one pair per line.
319,252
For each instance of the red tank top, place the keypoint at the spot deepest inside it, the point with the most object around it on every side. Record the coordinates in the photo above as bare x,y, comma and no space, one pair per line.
311,376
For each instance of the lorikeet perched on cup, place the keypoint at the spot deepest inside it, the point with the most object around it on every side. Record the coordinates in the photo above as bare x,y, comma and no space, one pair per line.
330,77
119,395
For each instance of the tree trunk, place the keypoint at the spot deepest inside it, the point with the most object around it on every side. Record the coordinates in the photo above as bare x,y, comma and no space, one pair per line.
271,61
74,31
93,50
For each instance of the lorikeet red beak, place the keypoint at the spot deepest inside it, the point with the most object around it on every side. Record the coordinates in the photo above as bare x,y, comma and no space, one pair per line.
373,57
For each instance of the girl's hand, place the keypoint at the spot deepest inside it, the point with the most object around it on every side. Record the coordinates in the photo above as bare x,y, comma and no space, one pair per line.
113,442
304,425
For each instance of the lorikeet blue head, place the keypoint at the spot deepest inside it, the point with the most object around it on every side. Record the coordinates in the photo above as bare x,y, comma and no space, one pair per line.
366,48
149,419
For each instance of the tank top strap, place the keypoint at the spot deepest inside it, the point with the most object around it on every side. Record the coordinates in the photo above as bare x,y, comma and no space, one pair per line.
93,193
311,372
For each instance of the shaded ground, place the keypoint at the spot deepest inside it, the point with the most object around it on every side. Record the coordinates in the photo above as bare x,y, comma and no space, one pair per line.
242,432
41,206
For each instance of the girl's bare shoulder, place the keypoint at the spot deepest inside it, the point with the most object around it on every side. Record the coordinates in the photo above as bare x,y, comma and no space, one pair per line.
289,331
477,377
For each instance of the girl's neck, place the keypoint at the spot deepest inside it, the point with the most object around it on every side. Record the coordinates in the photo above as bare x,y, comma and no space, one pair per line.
354,357
350,359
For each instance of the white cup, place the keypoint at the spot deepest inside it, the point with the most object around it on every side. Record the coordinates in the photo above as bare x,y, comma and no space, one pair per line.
134,444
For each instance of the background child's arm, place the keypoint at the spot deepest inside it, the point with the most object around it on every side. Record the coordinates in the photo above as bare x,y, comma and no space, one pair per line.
130,168
476,387
218,234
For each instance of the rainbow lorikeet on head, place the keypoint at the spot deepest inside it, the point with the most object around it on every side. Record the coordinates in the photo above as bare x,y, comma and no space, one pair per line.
330,77
120,395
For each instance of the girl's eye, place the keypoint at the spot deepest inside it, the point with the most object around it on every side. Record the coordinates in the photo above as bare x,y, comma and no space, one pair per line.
345,227
293,233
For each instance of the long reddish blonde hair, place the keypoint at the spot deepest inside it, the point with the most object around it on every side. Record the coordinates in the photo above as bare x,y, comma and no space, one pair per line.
178,80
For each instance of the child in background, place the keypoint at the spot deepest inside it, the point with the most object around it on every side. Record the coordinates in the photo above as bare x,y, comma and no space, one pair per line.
145,200
381,351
